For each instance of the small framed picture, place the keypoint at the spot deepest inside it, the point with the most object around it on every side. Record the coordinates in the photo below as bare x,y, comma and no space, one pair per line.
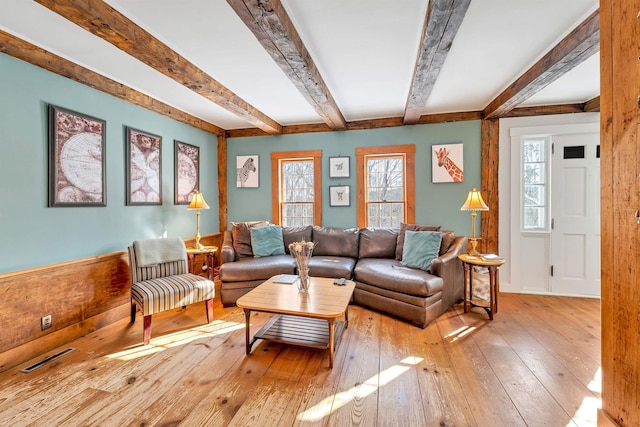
447,163
247,171
77,168
144,168
339,195
339,167
186,172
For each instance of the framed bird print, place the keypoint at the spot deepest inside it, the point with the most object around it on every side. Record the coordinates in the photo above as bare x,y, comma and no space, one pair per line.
339,167
339,195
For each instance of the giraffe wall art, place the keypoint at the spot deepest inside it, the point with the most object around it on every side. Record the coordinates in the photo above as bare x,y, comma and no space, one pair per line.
447,163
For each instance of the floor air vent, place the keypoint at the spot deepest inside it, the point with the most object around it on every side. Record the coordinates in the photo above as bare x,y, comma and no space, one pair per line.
47,360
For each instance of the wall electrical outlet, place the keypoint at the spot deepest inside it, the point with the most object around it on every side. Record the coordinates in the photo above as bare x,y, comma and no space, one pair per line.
45,322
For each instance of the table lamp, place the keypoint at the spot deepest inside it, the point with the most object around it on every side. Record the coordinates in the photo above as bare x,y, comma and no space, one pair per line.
474,203
197,203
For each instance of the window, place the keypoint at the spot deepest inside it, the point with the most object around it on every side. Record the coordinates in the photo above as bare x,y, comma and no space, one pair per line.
296,187
385,183
534,182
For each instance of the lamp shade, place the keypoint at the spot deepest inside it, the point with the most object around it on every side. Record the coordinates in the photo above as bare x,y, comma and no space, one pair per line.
198,202
474,202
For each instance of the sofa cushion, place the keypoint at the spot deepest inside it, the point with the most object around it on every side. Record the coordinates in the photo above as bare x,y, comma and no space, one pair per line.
242,237
378,242
267,240
257,268
336,241
448,237
390,274
296,234
411,227
420,248
331,266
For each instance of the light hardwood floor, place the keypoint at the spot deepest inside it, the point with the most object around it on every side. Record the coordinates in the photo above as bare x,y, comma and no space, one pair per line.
536,364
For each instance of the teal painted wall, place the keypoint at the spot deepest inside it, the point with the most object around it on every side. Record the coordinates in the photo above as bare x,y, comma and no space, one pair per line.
435,203
32,234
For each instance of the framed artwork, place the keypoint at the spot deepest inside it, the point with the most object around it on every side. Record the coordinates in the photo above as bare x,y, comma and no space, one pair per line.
339,167
447,164
186,172
247,172
144,168
339,195
77,169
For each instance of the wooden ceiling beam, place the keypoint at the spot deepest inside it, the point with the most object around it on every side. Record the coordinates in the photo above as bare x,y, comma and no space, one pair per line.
580,44
545,110
360,124
25,51
270,23
107,23
441,25
592,105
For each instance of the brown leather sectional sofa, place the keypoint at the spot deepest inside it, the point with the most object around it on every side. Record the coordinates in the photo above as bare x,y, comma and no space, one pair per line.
369,256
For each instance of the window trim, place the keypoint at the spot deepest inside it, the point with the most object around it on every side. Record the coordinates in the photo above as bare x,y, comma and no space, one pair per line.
408,151
547,177
276,157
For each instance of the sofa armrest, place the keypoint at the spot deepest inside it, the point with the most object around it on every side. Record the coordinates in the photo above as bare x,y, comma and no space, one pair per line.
228,254
448,267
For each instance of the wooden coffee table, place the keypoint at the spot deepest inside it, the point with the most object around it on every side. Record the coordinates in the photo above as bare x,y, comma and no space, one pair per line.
309,320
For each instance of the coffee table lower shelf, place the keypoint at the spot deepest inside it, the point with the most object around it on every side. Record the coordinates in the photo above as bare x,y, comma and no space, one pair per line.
299,330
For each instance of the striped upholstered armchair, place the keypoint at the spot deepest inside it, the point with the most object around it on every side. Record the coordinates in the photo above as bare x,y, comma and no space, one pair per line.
160,280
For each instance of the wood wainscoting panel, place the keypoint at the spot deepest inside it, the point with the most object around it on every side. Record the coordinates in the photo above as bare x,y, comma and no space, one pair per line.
76,294
81,296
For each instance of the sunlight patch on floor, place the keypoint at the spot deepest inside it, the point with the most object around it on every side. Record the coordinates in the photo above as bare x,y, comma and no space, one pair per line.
460,333
357,392
587,414
596,383
175,339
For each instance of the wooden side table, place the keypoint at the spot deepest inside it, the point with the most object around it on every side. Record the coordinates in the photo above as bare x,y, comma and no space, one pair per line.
209,254
468,262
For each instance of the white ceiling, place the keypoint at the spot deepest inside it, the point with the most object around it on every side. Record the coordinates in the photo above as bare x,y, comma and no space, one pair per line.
365,51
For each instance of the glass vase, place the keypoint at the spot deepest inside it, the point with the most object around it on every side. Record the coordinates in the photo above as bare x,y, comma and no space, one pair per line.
304,280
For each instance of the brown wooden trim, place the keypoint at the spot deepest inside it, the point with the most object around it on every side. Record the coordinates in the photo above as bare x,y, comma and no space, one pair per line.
316,155
223,214
489,160
103,21
409,150
592,105
360,125
360,177
450,117
273,28
579,45
25,51
619,200
545,110
441,25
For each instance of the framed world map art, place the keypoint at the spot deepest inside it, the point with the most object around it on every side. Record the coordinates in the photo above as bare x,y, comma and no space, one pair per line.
186,173
77,172
144,168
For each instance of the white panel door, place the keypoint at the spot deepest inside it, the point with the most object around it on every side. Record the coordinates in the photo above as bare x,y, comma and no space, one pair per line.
575,213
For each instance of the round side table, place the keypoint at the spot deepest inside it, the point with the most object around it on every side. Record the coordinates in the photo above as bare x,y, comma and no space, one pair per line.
470,261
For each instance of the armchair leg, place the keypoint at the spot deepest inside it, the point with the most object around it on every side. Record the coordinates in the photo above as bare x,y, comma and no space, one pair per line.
209,305
146,334
134,308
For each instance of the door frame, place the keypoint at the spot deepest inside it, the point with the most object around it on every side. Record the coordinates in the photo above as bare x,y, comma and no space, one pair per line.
516,257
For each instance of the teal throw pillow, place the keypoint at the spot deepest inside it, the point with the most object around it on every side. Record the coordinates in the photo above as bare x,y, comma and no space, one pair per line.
420,248
267,240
